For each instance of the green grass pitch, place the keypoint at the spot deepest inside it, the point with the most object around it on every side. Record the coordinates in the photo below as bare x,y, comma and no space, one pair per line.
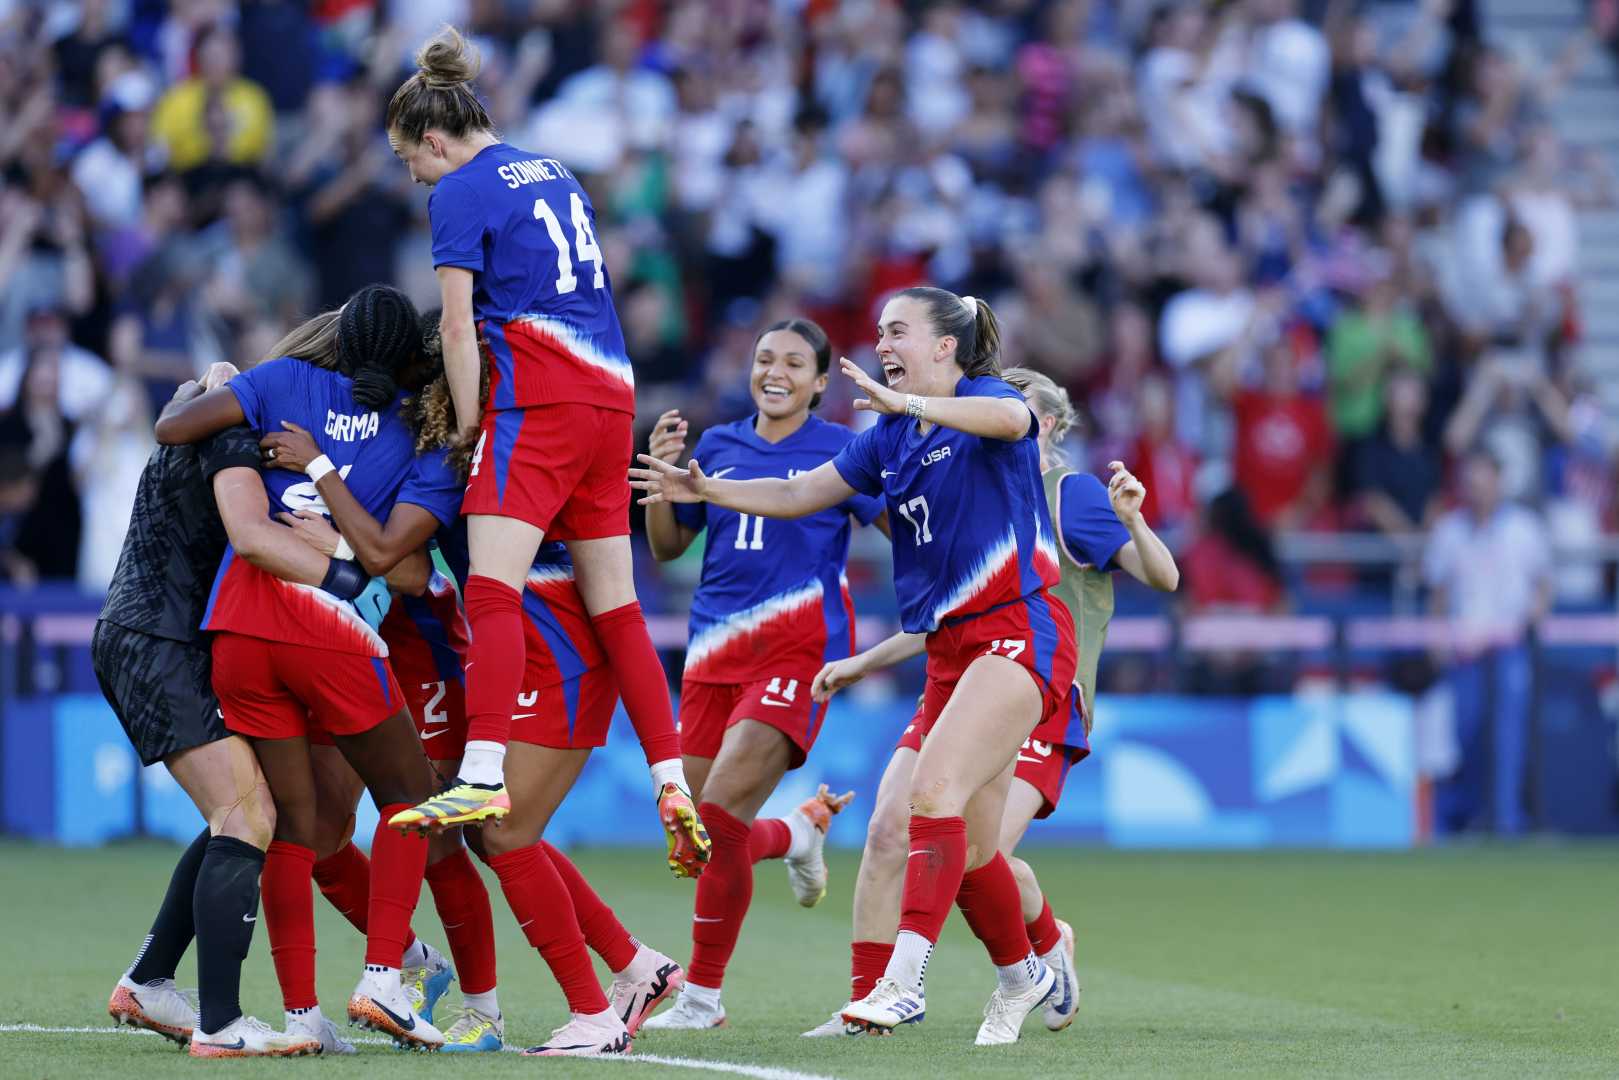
1480,961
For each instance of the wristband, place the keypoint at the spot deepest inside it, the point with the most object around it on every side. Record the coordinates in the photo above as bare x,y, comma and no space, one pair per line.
319,468
345,579
343,550
915,405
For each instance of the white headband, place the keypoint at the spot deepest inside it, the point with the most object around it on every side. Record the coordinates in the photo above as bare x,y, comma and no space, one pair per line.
971,303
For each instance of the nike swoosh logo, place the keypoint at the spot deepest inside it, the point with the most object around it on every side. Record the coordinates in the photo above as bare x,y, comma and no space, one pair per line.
250,918
886,474
699,918
1030,760
524,925
914,854
719,473
407,1025
779,704
220,713
433,734
239,1044
523,715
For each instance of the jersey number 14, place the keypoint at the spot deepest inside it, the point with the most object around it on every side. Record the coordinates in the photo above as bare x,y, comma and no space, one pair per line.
584,242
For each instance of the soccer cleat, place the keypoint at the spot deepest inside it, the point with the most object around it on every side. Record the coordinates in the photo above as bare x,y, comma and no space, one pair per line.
391,1014
887,1007
475,1033
688,1015
1005,1013
807,873
459,804
689,845
585,1036
1063,1006
425,983
156,1006
247,1036
313,1025
837,1027
634,999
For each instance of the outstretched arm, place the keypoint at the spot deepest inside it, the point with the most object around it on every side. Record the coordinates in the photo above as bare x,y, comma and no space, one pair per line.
850,670
378,546
244,506
807,493
667,537
460,334
1007,419
1144,556
194,414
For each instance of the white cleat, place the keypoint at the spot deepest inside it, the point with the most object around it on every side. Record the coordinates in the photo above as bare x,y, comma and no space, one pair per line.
1063,1006
246,1036
475,1033
585,1036
688,1015
806,873
638,990
836,1028
158,1006
389,1011
887,1007
1004,1015
316,1026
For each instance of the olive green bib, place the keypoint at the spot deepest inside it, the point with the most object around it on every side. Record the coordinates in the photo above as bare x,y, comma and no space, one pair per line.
1086,591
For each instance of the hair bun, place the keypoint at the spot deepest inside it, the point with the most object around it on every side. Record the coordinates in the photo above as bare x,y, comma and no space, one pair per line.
447,60
374,388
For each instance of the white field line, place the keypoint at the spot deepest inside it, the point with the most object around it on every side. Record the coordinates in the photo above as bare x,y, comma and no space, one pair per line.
759,1072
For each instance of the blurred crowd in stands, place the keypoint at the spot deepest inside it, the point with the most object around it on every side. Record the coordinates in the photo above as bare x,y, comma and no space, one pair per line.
1296,261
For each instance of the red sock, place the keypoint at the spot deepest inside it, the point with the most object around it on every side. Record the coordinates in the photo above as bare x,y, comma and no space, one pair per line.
769,839
867,962
397,865
469,926
1042,930
603,932
623,636
545,914
344,879
932,880
723,894
988,899
495,619
289,915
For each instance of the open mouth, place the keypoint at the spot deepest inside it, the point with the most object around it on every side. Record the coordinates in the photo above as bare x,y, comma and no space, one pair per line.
893,371
776,393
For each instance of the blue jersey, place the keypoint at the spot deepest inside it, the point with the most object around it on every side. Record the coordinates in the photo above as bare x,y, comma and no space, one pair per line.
525,228
374,453
969,517
1090,529
773,593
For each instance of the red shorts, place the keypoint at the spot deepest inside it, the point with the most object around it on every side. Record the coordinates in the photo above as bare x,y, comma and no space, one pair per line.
438,708
562,468
275,690
783,702
568,715
1043,766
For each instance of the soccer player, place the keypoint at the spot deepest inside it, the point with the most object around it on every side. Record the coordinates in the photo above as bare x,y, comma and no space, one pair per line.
562,712
955,456
155,671
1099,530
772,606
515,248
286,661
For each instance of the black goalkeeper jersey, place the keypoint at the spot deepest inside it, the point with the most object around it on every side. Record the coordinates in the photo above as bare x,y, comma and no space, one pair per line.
175,537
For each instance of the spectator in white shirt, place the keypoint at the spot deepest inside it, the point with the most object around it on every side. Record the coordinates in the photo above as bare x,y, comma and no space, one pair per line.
1489,566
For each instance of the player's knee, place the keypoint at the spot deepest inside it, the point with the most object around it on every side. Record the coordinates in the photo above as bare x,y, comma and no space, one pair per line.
332,836
251,819
935,798
888,838
1023,872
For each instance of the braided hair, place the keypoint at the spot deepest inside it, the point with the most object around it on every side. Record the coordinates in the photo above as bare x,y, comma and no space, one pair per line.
430,414
378,335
